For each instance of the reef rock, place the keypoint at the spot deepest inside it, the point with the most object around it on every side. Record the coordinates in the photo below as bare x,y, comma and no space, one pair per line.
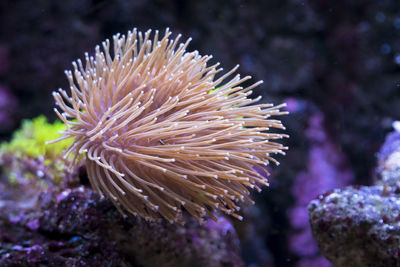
75,227
360,226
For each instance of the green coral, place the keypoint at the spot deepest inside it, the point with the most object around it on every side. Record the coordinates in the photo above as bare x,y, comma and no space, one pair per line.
30,139
27,156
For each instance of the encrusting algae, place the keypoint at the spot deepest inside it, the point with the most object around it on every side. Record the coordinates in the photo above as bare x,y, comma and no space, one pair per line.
26,156
30,139
156,133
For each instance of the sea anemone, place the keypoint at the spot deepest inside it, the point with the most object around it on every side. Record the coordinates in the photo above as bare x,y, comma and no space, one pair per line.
160,132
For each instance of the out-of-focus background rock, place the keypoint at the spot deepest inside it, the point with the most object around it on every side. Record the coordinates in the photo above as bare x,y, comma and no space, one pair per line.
336,64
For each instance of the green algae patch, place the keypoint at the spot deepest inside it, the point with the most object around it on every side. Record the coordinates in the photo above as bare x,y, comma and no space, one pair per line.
27,157
30,139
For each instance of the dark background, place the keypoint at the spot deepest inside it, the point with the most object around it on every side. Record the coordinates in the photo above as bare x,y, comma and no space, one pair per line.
336,64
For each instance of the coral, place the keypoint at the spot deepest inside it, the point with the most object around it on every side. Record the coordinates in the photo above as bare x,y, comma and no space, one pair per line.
30,139
27,156
69,226
158,136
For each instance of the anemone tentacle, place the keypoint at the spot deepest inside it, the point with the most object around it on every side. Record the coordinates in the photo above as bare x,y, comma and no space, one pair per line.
161,133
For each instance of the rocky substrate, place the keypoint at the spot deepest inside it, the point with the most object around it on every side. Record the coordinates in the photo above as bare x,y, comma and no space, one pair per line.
360,226
75,227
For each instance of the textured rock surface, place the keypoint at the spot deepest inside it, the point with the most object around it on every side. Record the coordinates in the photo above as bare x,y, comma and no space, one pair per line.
360,226
389,154
342,57
76,228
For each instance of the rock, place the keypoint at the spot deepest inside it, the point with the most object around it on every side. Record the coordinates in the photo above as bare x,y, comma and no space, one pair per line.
75,227
327,169
360,226
389,154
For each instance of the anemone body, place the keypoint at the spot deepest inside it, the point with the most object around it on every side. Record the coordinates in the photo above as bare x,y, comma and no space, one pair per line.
161,133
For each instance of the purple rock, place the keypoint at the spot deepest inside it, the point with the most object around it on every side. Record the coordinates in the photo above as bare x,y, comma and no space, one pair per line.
222,226
63,195
326,170
97,234
389,154
33,225
359,226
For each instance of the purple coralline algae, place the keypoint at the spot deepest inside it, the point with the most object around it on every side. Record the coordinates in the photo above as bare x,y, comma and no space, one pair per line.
389,154
75,227
360,226
325,164
342,55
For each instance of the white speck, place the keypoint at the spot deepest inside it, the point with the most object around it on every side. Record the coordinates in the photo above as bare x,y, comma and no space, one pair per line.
396,126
